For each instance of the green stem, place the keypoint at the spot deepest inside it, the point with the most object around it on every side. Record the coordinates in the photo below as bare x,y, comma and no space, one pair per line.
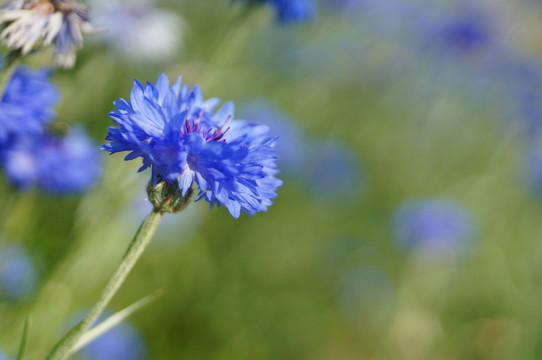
12,60
64,348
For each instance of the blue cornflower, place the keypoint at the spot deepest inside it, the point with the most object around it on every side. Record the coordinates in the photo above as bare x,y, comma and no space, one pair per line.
34,23
290,11
27,104
183,140
434,225
54,164
18,275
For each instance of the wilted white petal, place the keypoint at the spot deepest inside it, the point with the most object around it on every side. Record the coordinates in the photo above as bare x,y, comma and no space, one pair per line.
31,24
54,26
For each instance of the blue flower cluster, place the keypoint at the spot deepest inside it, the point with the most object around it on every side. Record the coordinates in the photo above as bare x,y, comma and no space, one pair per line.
183,140
30,154
53,163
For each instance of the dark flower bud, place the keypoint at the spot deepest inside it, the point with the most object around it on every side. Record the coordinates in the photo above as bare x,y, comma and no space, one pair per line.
167,197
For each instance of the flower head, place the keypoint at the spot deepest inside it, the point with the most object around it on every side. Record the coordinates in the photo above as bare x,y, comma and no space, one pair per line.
34,23
55,164
27,104
183,140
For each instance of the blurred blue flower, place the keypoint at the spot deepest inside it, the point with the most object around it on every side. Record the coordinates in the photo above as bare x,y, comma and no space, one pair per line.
433,226
335,172
182,139
291,148
123,342
18,276
27,104
465,34
467,31
290,11
294,11
54,164
27,24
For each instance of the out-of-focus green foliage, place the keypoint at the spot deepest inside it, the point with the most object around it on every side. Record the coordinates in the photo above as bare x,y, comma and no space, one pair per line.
309,279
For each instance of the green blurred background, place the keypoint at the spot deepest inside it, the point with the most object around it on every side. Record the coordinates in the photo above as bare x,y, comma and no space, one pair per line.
319,276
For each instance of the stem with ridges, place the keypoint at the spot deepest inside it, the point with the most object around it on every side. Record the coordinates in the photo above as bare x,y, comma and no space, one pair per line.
142,238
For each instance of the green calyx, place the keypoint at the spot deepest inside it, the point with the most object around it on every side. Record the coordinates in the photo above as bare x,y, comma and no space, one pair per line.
167,198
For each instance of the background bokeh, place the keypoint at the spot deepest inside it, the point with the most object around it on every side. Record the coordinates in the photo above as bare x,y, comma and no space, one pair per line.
409,222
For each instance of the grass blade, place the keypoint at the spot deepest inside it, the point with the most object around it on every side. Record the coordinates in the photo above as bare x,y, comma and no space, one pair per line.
24,339
114,320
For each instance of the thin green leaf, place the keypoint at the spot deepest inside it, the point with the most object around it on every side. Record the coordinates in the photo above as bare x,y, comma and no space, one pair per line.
24,339
114,320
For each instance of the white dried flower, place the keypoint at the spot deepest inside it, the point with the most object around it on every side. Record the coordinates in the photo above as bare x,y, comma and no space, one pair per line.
31,24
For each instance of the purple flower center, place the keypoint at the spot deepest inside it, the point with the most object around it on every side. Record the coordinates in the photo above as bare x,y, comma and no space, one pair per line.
209,133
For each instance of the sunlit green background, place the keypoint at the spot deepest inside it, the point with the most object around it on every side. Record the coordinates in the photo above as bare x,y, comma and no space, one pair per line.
272,286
